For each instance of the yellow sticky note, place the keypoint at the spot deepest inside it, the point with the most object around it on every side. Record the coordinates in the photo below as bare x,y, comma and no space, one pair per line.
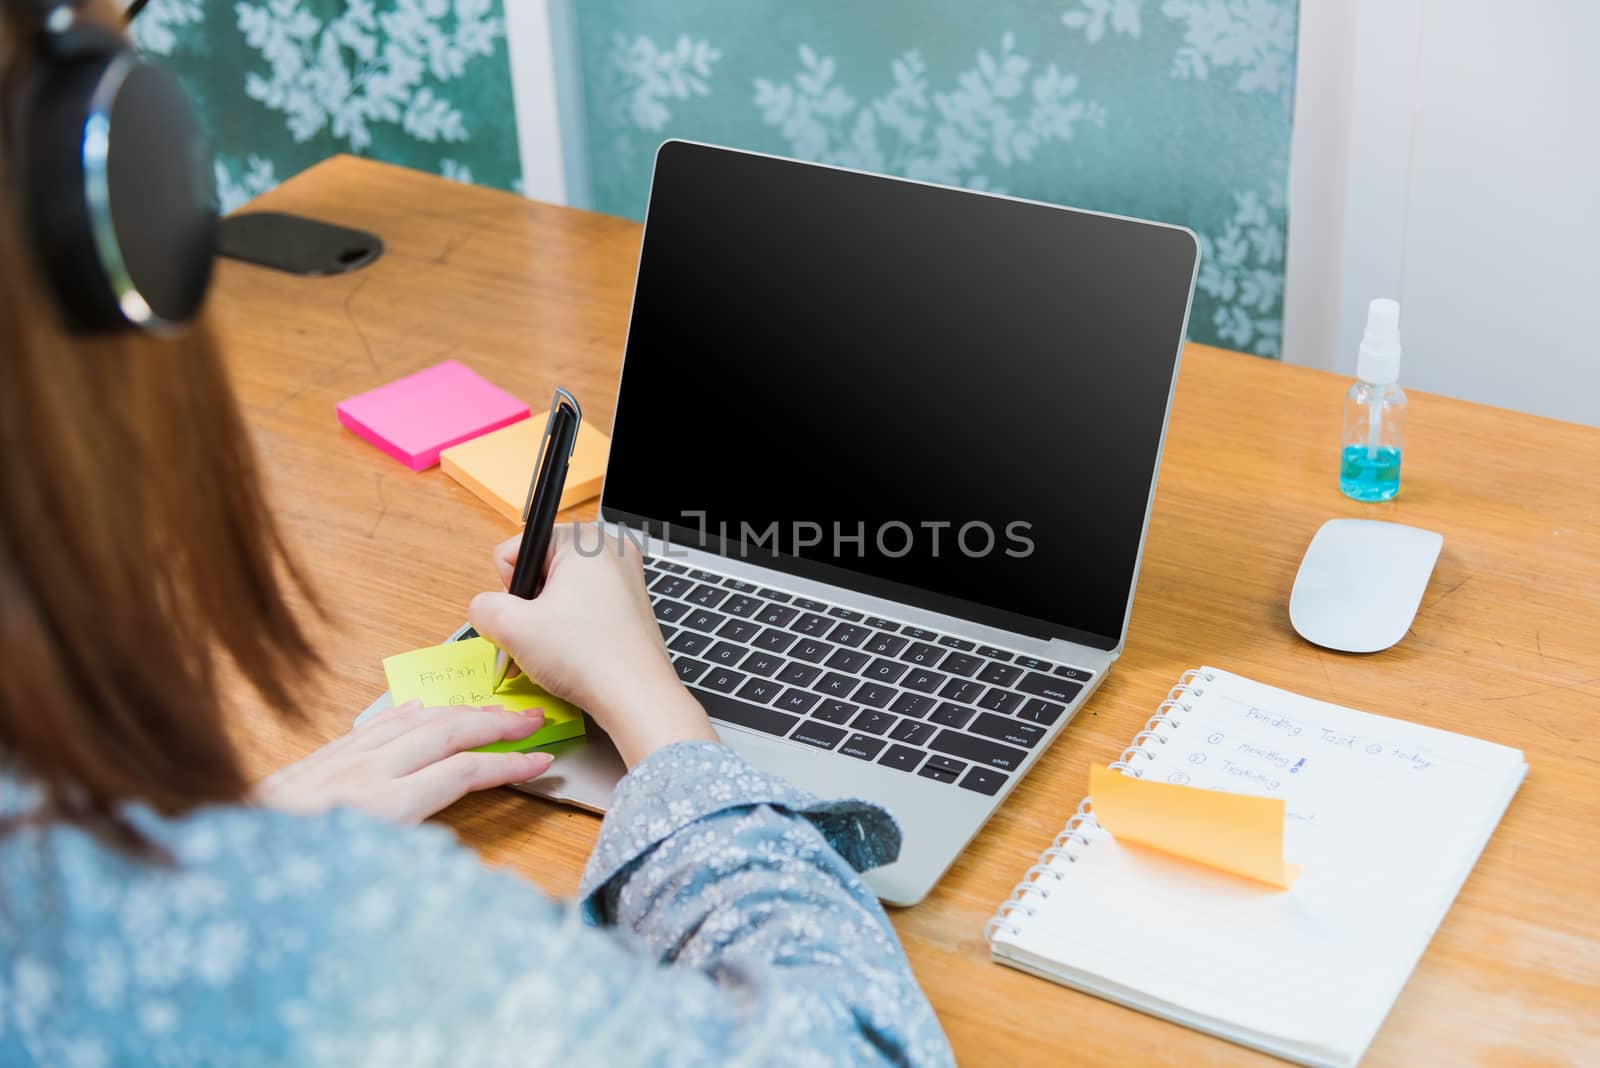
1239,833
461,673
498,466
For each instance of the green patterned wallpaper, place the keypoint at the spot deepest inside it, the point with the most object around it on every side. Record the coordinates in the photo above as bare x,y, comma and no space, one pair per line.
1168,109
281,84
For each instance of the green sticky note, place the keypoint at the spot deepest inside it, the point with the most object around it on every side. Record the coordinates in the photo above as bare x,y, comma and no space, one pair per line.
461,673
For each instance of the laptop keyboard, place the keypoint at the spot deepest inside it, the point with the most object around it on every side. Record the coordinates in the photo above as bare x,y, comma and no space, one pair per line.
870,688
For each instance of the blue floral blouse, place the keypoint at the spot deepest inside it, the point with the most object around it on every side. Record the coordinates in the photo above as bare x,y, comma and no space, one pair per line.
721,921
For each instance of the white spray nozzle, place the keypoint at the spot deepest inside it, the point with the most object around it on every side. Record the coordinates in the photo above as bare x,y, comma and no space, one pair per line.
1378,361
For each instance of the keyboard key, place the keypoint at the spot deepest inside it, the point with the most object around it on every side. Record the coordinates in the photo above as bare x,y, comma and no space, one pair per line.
763,664
979,750
874,694
670,611
881,670
1042,685
689,669
689,642
776,615
811,650
880,623
1000,674
706,596
983,780
844,613
668,565
722,679
885,644
796,701
836,685
760,690
725,653
961,690
902,758
738,630
741,606
909,730
1006,729
773,595
848,634
705,576
848,660
667,632
942,768
672,586
704,619
951,715
872,721
834,711
960,664
756,717
818,734
1075,674
919,634
809,605
812,624
1039,710
1033,663
774,640
862,747
992,653
799,674
1000,701
912,704
922,654
956,643
922,679
740,585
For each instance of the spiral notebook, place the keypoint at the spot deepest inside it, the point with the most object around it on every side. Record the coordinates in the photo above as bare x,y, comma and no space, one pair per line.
1386,818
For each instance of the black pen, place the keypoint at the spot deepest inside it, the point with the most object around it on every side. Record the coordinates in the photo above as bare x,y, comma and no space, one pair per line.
539,513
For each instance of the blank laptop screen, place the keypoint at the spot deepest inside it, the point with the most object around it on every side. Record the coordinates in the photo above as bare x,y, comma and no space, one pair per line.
948,399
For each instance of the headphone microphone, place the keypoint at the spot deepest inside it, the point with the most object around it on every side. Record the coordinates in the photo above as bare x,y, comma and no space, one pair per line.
114,179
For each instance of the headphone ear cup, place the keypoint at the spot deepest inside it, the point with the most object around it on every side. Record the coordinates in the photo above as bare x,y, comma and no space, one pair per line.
119,188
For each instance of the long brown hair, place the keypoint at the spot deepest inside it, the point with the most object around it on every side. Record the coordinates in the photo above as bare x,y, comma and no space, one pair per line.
135,547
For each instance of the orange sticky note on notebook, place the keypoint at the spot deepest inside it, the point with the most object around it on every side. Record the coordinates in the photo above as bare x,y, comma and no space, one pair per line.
498,466
1240,833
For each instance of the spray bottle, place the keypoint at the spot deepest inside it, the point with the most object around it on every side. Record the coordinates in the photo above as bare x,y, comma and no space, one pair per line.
1374,411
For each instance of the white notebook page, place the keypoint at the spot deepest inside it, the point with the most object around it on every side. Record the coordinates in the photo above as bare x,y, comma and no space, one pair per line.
1385,817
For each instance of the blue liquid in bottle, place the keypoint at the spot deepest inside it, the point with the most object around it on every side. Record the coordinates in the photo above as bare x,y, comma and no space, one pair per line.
1369,475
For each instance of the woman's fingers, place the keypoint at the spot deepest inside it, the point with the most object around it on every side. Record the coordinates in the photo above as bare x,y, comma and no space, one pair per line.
444,732
505,559
441,784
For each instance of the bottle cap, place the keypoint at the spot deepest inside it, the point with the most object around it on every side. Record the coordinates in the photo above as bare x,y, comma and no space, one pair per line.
1378,361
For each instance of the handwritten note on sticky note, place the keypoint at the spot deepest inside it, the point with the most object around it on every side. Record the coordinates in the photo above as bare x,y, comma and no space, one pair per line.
498,466
461,673
1239,833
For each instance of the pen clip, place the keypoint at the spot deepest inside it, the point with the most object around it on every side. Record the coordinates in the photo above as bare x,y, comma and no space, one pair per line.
561,397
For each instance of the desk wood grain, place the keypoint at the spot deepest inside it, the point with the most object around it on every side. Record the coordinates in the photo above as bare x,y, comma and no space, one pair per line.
1506,645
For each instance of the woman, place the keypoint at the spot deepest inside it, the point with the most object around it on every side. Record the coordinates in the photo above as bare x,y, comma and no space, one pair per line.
157,909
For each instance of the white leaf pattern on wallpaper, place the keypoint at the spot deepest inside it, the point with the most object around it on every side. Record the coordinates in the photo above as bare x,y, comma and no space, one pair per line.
1241,270
236,184
996,113
156,29
365,67
1094,17
647,75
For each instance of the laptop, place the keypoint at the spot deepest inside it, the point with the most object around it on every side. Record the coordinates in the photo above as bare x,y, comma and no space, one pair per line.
890,449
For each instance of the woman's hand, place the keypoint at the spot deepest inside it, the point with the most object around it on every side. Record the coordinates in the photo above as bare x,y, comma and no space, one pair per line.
590,637
406,763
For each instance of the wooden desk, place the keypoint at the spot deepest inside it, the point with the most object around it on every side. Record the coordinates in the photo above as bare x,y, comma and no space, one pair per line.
1506,645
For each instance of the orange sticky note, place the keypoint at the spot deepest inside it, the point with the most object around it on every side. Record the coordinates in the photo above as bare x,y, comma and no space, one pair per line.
1239,833
498,466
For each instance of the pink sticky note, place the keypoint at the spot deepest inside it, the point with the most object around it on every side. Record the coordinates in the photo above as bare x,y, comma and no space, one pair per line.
414,417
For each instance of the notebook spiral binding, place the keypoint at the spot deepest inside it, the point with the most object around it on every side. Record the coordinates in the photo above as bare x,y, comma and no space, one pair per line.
1060,846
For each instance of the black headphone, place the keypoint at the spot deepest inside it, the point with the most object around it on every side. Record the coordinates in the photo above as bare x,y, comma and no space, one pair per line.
114,178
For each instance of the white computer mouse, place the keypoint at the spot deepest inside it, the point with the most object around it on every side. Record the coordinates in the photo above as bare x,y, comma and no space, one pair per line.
1361,582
